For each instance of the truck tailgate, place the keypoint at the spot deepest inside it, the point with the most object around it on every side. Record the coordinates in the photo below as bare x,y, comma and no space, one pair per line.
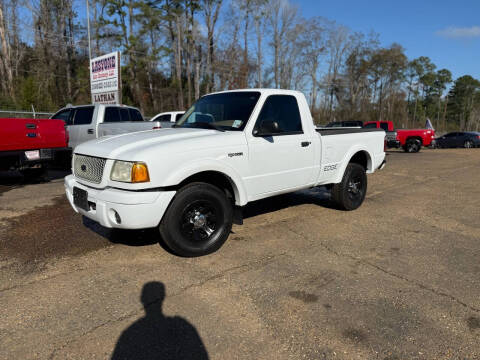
24,134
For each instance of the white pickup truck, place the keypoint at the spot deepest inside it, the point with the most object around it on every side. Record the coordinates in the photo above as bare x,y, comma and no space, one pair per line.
88,122
229,149
167,119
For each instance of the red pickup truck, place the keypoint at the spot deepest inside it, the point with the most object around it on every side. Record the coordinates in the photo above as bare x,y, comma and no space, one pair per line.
410,140
30,143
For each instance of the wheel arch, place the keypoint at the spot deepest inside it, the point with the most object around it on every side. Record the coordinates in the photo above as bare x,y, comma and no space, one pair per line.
357,155
415,137
214,174
362,158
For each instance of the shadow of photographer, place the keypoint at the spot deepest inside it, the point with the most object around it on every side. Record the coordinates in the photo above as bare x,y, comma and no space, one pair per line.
156,336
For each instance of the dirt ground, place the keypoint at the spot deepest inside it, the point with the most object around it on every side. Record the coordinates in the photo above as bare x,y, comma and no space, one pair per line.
398,278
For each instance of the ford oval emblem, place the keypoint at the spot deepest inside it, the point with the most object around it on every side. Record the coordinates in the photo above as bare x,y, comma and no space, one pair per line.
83,168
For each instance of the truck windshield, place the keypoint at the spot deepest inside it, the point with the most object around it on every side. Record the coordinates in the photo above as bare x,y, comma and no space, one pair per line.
227,111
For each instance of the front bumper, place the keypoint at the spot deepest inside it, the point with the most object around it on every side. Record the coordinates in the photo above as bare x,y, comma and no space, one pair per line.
393,144
136,209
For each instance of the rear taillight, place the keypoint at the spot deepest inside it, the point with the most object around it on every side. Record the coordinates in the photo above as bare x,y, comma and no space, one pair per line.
478,137
156,127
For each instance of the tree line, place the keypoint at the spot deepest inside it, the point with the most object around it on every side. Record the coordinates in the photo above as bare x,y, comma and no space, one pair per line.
174,51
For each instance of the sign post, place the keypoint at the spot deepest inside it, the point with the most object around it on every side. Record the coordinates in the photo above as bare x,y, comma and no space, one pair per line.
105,79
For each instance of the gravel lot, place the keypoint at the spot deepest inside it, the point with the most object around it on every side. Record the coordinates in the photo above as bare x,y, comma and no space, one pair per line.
397,279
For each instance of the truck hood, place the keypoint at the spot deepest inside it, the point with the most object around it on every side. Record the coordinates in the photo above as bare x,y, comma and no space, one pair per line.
133,146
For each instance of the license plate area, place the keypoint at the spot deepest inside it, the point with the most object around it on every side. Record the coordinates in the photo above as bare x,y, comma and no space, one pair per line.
80,198
32,155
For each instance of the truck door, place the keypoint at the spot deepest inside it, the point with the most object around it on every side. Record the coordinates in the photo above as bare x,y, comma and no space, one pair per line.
283,159
83,128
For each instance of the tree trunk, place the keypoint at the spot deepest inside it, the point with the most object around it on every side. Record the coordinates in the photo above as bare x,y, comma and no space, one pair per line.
6,58
178,63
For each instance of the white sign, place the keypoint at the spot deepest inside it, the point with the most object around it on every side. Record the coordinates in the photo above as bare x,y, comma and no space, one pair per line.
105,80
110,97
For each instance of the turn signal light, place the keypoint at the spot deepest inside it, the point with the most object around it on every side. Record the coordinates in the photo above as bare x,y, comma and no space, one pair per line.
140,173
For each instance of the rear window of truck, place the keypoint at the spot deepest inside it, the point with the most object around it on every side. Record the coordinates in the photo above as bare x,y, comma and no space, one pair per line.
124,116
111,115
135,115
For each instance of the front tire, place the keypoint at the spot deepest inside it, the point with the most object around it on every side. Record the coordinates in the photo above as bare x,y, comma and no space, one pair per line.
350,193
198,220
468,144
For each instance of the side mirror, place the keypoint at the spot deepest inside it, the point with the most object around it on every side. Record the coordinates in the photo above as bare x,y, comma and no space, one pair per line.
267,128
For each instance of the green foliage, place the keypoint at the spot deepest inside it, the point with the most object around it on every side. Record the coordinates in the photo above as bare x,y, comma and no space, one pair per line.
463,98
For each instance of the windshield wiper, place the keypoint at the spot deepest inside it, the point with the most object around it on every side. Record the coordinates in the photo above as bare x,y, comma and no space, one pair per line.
208,125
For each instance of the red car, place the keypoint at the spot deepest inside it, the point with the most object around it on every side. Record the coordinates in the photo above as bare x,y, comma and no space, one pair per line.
410,140
30,143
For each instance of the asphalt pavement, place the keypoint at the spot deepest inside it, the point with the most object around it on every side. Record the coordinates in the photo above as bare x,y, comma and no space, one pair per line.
398,278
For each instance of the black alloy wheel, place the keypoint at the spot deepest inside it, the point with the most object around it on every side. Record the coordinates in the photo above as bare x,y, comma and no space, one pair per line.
198,220
350,193
412,146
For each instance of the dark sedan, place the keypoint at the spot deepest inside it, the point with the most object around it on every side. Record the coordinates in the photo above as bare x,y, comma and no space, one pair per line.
468,139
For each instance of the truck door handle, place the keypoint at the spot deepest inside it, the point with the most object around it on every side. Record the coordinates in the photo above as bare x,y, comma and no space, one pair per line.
305,143
90,131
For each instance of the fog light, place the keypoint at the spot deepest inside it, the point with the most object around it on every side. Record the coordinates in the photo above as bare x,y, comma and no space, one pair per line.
115,216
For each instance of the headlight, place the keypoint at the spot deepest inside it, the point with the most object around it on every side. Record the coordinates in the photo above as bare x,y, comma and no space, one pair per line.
126,171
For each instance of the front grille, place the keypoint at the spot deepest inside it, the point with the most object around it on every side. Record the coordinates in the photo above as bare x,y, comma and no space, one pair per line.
392,136
88,167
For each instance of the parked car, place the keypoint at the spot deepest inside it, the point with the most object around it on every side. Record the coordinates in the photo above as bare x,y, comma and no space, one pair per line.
350,123
167,119
229,149
87,122
410,140
27,144
466,139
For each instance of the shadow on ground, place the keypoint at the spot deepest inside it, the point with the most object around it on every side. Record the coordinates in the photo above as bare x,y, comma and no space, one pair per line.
14,179
318,196
156,336
142,237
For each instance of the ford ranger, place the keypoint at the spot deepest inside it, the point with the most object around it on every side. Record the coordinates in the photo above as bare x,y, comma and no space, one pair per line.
229,149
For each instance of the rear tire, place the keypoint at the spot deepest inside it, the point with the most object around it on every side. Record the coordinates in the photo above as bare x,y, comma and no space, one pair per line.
468,144
198,221
412,146
350,192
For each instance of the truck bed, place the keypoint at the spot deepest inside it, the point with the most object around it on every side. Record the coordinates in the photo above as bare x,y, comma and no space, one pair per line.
344,130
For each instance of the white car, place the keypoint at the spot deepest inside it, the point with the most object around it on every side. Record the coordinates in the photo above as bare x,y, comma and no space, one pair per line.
167,119
86,122
230,148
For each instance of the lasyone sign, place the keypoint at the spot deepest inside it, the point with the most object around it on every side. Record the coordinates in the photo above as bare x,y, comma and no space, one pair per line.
105,81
